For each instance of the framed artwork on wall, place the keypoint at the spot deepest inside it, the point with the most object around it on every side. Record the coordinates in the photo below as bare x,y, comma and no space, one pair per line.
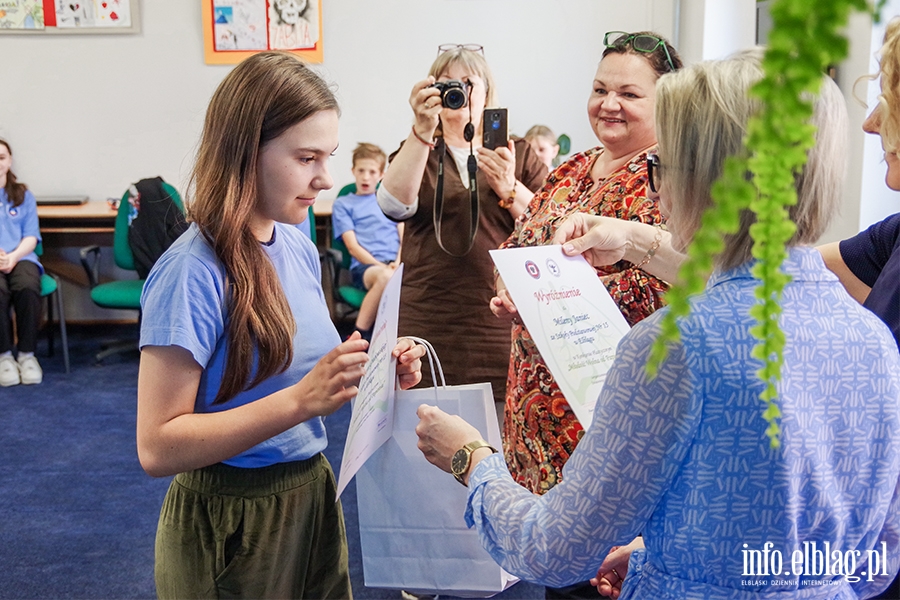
37,17
235,29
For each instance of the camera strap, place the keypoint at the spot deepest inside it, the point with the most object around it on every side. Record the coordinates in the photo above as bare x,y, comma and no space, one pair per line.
474,213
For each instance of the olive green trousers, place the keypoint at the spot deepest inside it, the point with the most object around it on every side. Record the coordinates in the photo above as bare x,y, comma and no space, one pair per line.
272,532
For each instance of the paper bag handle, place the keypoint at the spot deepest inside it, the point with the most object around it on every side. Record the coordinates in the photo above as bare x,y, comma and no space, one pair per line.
432,360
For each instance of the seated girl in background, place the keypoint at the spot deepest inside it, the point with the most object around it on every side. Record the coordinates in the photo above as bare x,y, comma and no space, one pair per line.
544,144
20,277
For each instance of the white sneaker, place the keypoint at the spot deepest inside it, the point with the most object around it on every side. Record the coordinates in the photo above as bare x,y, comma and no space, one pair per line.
9,371
30,371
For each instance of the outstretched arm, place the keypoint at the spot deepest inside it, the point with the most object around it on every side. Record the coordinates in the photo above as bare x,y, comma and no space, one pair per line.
613,481
605,241
172,438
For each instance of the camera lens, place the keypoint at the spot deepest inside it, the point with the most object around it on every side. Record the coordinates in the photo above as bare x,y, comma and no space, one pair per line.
454,98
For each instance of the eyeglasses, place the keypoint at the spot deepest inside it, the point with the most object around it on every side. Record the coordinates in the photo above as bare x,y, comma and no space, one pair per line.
654,172
640,42
470,47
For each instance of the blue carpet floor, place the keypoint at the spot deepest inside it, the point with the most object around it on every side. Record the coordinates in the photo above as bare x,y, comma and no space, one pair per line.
78,514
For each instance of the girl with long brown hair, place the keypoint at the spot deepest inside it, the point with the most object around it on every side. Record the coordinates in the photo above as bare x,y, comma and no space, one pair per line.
20,276
240,360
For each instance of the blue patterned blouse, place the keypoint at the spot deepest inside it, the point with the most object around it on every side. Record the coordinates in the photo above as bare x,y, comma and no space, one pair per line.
684,459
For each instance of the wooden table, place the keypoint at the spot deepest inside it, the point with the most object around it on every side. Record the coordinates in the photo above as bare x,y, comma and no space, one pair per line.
94,223
322,212
74,225
77,225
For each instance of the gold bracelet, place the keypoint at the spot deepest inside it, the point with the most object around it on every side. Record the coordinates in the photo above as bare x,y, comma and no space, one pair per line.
421,139
657,240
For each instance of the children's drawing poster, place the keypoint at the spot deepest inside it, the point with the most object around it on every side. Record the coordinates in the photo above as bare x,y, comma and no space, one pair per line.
21,14
91,13
235,29
67,16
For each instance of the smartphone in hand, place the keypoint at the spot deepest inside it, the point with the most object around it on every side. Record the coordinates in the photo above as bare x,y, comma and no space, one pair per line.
495,128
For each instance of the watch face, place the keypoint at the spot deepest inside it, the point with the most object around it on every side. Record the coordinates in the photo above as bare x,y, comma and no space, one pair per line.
460,462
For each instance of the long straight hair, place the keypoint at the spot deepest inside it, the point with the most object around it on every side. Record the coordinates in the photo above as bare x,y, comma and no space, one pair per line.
259,100
15,191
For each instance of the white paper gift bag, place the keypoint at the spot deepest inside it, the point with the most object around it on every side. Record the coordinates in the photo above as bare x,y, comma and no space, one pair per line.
412,530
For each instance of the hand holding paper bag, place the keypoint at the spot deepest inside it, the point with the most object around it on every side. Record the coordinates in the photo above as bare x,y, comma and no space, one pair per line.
409,363
441,435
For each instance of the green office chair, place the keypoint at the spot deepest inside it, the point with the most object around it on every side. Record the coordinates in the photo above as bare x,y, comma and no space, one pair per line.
121,294
51,286
346,299
311,222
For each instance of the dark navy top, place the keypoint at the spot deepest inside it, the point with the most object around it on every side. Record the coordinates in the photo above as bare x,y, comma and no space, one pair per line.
874,257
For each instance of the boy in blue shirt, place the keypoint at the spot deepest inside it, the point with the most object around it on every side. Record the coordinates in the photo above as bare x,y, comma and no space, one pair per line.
372,239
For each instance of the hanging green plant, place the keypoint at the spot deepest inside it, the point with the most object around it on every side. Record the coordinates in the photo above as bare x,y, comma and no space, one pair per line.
805,38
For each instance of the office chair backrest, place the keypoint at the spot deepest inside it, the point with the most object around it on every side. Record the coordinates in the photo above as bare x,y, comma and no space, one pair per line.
122,253
350,188
121,250
311,223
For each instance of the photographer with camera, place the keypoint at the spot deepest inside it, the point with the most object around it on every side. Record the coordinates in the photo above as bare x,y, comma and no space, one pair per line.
455,211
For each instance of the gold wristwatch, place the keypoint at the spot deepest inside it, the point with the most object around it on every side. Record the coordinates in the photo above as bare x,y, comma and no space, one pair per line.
462,459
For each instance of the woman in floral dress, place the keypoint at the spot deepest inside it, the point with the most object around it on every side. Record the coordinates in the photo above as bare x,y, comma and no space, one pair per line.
540,430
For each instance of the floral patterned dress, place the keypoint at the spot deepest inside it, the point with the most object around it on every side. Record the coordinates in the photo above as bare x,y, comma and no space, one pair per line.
540,431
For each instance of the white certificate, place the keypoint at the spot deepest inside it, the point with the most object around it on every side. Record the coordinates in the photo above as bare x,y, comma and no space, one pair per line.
570,315
372,421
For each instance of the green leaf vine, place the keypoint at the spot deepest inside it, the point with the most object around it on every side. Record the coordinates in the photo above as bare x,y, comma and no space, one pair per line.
806,37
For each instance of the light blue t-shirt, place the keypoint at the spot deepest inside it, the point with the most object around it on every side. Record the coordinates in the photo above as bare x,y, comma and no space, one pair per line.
17,222
374,231
184,304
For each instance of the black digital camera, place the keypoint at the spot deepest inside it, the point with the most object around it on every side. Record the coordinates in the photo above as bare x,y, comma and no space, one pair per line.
454,93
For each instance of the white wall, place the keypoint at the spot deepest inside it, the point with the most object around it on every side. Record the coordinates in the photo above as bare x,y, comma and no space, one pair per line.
847,222
711,29
88,114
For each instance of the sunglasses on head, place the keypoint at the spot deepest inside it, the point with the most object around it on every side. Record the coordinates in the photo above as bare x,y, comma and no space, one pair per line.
641,42
654,172
470,47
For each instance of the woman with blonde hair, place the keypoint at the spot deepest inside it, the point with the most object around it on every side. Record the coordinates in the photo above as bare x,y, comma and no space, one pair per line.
544,143
869,264
457,200
684,458
239,359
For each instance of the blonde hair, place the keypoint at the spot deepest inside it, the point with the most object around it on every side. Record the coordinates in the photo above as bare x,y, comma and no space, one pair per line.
701,117
257,101
540,132
471,61
889,99
366,150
